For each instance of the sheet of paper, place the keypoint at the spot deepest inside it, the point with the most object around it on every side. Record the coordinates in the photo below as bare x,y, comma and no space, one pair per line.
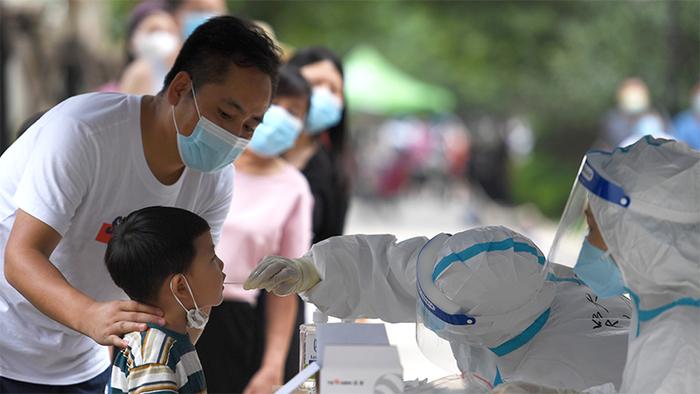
300,378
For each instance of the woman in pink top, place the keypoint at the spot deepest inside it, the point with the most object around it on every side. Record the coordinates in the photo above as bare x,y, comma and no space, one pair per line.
244,347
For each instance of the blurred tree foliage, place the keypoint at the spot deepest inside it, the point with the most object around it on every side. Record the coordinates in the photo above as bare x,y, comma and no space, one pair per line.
558,63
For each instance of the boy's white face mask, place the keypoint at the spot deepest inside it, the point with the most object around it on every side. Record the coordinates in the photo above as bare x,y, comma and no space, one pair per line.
196,318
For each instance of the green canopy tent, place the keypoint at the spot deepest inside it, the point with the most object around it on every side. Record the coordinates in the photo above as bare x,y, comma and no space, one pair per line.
375,86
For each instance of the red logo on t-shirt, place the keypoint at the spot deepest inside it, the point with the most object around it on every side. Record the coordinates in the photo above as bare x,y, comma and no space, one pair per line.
105,233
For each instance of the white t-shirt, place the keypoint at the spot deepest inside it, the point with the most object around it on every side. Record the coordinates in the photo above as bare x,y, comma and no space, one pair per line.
77,169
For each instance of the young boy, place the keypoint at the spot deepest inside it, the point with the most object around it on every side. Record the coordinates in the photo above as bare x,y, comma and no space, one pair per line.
164,257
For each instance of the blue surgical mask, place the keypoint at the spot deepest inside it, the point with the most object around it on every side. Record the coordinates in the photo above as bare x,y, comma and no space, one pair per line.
192,20
276,134
325,111
597,269
209,147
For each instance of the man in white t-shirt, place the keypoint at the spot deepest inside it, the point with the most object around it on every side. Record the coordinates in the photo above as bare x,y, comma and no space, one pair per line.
96,157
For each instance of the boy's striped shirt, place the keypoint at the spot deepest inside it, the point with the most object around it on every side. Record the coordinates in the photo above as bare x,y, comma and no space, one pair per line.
157,360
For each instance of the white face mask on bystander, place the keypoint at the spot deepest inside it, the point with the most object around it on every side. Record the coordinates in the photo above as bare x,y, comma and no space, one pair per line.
196,318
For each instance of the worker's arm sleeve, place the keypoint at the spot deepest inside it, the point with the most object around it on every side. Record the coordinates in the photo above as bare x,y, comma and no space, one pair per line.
371,276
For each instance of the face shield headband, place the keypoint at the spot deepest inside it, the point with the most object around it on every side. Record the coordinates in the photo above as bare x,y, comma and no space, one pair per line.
595,180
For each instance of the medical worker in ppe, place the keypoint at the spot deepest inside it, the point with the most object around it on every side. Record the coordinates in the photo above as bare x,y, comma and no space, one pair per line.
642,206
506,312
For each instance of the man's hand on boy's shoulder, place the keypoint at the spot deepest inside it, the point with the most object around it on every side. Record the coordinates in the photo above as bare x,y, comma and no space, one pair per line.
107,322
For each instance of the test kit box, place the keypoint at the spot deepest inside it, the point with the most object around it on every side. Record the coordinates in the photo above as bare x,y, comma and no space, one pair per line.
352,358
361,369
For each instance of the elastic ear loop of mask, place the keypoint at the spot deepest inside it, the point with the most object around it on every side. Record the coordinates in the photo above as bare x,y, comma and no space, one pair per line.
177,129
172,107
188,289
194,97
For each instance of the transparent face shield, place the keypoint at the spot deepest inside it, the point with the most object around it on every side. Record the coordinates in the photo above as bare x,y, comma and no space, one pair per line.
574,224
434,347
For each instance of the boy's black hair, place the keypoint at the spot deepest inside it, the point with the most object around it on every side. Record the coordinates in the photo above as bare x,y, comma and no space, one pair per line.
220,42
292,84
149,245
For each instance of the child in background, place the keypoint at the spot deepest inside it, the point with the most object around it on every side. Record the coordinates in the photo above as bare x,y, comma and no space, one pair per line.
164,256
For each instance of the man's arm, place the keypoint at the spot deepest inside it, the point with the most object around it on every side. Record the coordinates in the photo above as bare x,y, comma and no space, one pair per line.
28,269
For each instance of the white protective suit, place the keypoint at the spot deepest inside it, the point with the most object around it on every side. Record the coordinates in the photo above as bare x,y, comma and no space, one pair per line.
574,341
655,242
645,199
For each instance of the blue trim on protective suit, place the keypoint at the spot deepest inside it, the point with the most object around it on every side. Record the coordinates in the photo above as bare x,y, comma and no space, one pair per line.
477,249
553,278
498,380
649,139
644,315
523,338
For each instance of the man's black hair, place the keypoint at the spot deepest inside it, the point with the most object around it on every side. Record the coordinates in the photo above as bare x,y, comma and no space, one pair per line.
221,42
292,84
149,245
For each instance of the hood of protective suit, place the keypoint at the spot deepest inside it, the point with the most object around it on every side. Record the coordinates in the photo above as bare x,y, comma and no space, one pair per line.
656,239
495,275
